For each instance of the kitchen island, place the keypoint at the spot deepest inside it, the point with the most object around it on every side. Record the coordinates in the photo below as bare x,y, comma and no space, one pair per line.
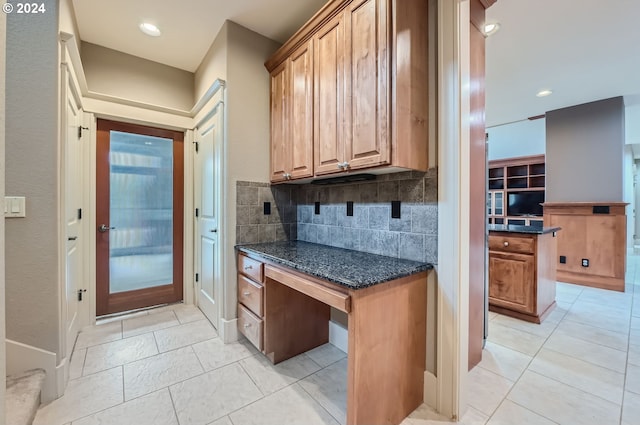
286,291
522,271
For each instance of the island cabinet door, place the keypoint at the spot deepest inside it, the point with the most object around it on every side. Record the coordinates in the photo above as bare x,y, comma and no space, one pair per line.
512,281
367,84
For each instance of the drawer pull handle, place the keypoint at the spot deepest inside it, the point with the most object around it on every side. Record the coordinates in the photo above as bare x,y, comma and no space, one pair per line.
506,244
248,267
246,294
247,325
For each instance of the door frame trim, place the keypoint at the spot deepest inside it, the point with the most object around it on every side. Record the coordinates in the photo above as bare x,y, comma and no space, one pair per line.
453,207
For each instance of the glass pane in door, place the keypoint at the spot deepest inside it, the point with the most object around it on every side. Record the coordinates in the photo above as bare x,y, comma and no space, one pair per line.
140,211
499,204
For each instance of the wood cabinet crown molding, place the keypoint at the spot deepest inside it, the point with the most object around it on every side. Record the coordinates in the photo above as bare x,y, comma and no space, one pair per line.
304,34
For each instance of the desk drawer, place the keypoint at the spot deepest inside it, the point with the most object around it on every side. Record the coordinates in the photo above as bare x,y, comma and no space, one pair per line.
250,326
521,244
250,267
250,294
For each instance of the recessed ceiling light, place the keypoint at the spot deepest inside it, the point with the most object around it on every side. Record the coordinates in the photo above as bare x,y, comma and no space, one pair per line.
150,29
491,28
544,93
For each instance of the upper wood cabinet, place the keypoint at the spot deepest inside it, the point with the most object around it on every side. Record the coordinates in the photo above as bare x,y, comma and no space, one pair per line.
367,84
369,100
329,96
292,116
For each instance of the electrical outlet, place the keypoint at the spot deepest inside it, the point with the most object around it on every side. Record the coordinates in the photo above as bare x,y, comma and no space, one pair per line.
316,208
585,262
395,209
563,259
267,208
349,209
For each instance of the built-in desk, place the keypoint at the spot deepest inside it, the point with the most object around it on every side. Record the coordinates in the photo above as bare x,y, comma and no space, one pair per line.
286,291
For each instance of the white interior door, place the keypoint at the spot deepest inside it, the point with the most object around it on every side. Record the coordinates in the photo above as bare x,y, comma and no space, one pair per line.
209,137
73,180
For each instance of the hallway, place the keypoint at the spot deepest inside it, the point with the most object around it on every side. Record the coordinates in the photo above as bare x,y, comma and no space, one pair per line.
168,367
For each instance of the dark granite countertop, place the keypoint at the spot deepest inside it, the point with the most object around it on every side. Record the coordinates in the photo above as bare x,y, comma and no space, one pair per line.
353,269
521,229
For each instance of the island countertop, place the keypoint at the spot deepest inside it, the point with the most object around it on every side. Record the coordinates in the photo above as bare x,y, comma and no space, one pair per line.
349,268
511,228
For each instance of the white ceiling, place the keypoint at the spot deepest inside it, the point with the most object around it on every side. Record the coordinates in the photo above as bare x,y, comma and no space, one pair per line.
583,50
188,27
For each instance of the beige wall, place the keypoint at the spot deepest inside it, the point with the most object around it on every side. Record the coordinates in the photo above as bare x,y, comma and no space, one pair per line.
585,152
237,56
32,171
248,128
128,77
3,356
214,64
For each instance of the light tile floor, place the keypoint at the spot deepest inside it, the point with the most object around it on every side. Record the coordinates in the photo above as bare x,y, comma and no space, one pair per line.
168,367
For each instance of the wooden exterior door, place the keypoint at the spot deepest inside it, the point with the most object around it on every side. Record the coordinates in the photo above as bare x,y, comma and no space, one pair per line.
139,216
329,96
367,141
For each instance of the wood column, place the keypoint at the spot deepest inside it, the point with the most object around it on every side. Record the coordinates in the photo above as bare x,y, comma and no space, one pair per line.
478,177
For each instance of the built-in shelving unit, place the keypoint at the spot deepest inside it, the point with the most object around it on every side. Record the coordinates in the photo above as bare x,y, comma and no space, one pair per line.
514,175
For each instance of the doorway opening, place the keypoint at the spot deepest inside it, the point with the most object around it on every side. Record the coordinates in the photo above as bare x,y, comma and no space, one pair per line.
139,216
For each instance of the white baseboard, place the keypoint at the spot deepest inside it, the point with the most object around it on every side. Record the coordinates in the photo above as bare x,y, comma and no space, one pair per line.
21,357
338,336
228,330
430,390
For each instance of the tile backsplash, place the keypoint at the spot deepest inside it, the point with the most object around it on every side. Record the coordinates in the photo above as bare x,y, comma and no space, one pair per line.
371,228
253,225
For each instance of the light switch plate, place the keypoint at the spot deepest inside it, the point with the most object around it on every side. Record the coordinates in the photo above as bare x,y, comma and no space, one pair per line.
15,206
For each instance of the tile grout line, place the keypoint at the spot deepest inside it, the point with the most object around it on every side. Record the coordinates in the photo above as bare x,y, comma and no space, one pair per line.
173,404
320,404
528,364
249,375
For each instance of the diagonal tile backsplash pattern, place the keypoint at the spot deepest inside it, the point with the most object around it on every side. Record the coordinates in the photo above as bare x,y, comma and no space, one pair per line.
371,228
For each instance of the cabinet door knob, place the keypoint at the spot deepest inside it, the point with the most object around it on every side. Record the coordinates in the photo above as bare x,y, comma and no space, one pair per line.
246,325
506,244
246,294
248,267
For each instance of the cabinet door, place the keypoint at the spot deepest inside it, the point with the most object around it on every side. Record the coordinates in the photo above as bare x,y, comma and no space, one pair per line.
279,122
512,281
329,71
301,110
368,140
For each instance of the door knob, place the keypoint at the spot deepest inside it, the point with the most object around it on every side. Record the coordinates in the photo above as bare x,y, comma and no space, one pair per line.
104,228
